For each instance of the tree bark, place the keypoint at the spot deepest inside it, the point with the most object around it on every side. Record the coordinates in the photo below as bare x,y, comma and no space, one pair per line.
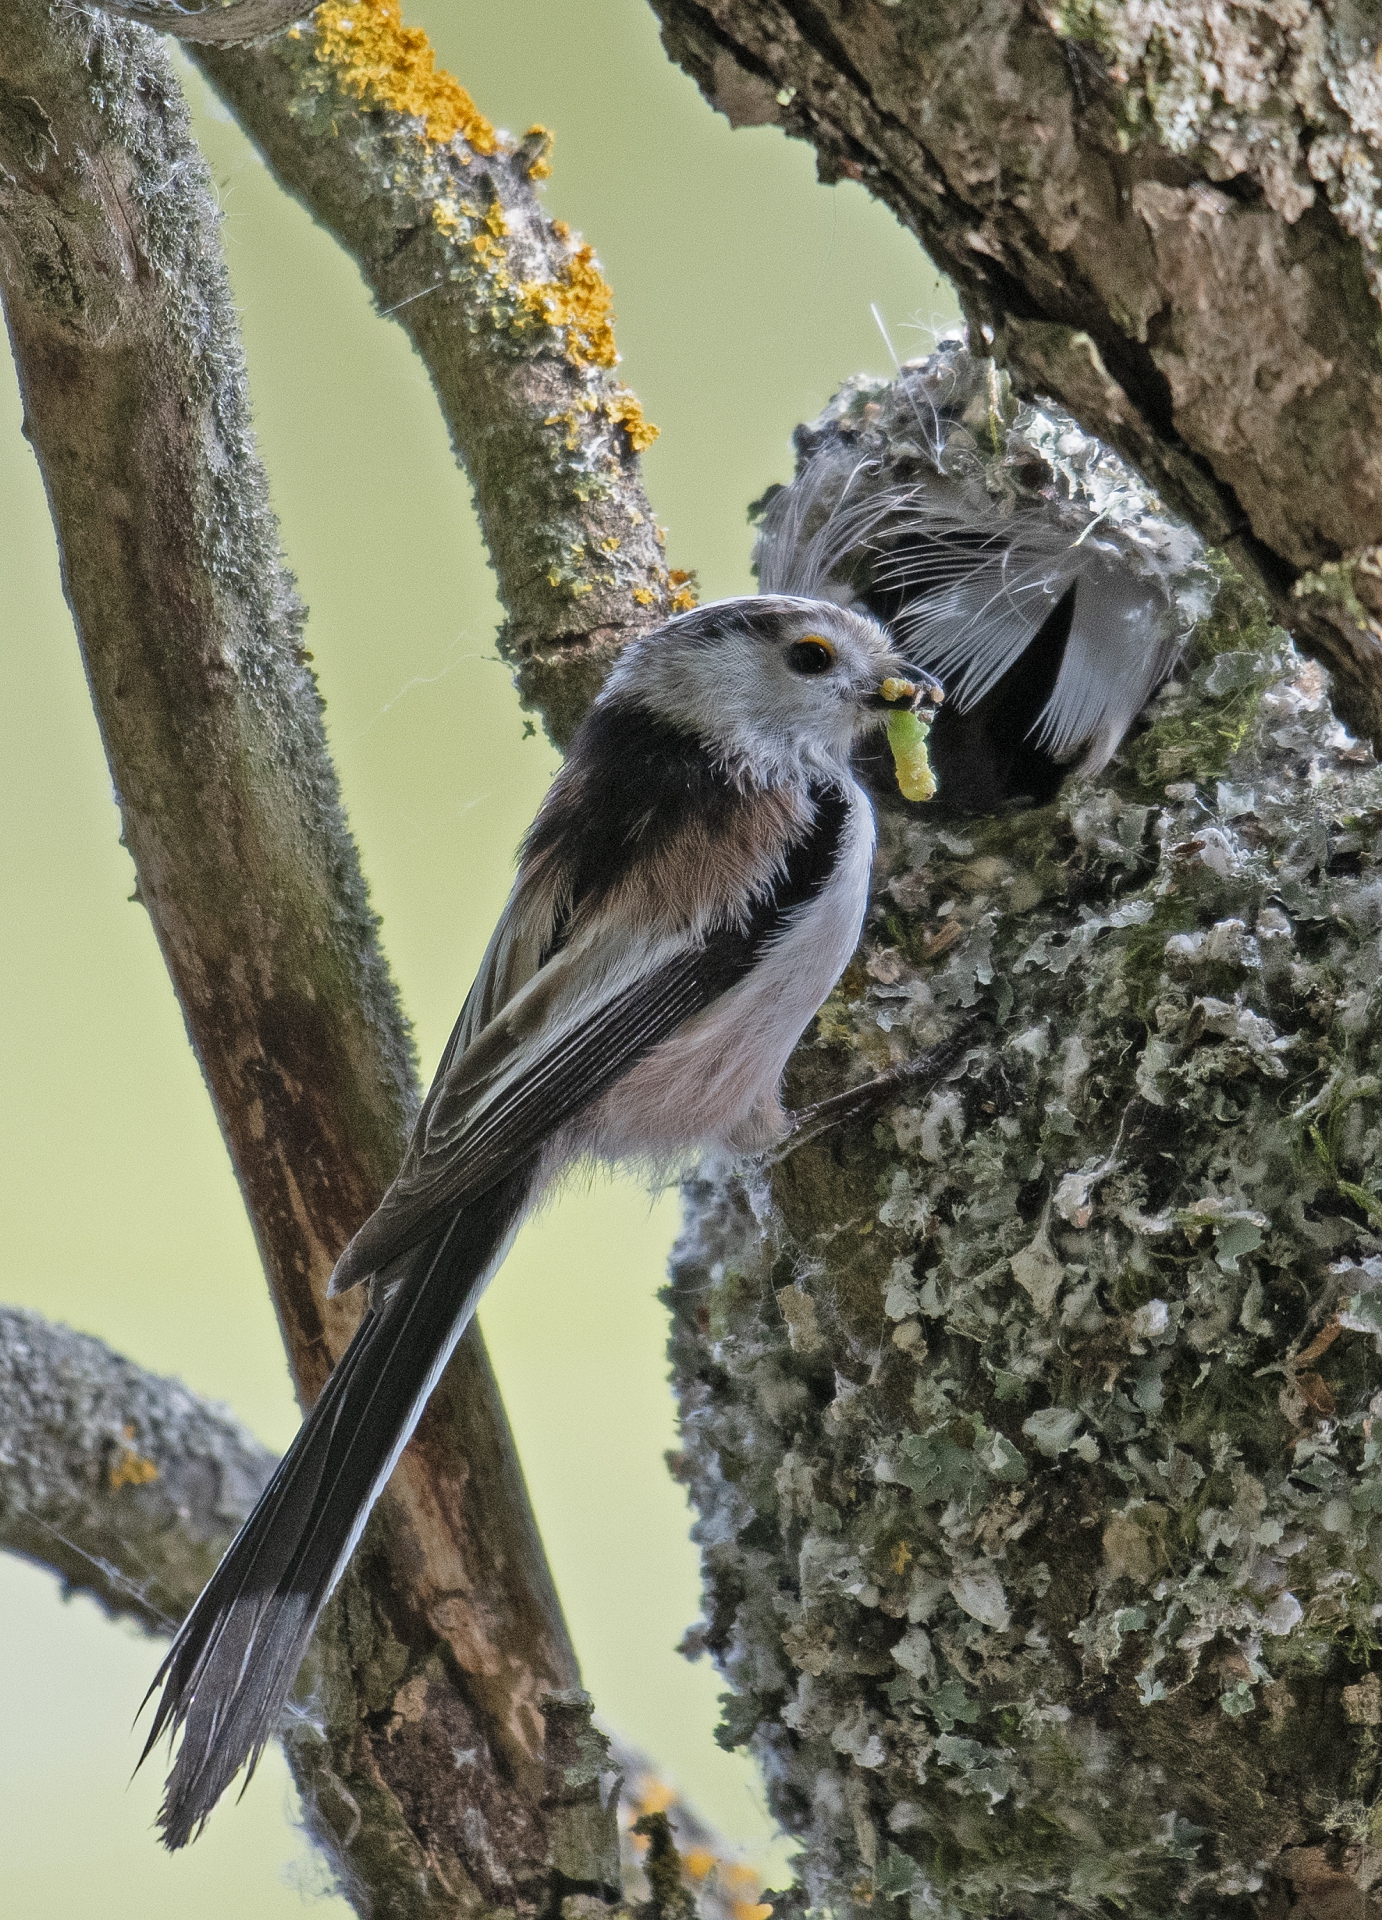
1166,215
1032,1428
446,1636
508,311
128,1487
222,23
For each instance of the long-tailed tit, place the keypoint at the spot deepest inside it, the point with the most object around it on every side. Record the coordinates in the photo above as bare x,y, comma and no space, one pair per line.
689,893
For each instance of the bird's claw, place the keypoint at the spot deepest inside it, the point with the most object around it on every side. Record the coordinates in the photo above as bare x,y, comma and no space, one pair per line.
808,1123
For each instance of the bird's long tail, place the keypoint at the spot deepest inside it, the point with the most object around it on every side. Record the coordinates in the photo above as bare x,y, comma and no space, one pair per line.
229,1671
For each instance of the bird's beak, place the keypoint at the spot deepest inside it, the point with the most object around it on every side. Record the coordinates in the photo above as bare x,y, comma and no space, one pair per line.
903,690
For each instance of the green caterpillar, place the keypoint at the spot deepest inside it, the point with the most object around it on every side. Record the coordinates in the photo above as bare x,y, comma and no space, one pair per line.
907,738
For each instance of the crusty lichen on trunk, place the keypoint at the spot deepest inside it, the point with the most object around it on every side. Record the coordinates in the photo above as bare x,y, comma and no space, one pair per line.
1032,1428
1164,213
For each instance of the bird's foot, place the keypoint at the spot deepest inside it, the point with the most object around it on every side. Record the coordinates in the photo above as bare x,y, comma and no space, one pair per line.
808,1123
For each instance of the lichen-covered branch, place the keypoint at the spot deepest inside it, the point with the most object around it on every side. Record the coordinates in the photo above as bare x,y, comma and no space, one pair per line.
1033,1429
1165,213
221,23
447,1630
127,1486
507,309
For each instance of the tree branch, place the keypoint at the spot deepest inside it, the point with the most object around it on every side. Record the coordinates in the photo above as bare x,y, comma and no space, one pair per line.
447,1629
127,1486
222,23
1165,216
507,309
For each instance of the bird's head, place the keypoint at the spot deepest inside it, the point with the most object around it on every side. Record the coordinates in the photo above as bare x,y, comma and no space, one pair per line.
778,688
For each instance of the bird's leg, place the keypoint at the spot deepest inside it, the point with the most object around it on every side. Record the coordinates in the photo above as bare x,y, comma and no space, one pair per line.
808,1123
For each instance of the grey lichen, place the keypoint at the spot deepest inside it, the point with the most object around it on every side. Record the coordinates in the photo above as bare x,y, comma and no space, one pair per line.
1288,95
1032,1430
127,1486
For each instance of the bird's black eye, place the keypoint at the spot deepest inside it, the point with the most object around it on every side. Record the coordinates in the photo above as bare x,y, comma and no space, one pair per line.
811,655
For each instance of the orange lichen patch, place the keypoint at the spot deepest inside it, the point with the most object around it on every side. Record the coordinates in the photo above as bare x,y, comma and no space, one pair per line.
129,1468
541,167
685,589
385,64
581,301
901,1557
739,1888
624,410
742,1886
490,253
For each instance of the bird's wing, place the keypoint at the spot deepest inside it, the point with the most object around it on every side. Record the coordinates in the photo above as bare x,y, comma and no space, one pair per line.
552,1051
544,1034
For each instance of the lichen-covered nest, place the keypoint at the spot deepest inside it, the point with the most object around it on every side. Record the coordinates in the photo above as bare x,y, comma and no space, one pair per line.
1031,1429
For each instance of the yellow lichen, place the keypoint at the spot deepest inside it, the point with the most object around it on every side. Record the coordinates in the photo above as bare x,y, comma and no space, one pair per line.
644,596
739,1885
541,167
571,421
624,410
685,584
490,253
742,1886
385,64
581,301
129,1468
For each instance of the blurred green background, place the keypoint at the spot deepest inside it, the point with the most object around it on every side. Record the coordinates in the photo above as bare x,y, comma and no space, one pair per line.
743,290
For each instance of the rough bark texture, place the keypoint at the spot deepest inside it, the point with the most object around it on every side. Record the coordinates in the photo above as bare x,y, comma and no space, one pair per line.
508,311
447,1634
1165,213
1032,1429
127,1486
215,23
